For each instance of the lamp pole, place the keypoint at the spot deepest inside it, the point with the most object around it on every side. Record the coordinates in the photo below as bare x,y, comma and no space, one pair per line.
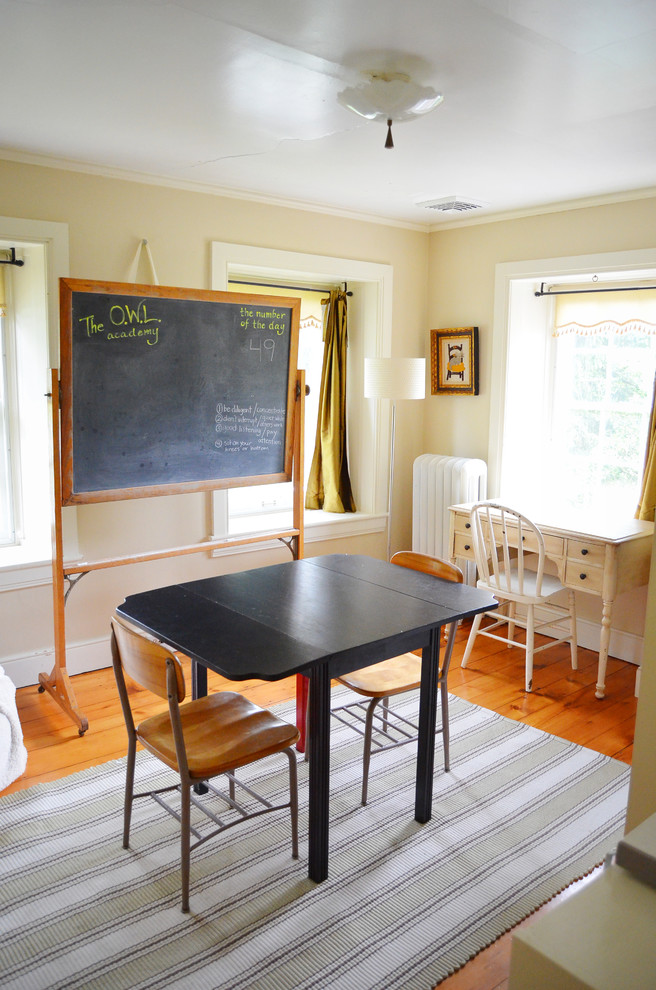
394,379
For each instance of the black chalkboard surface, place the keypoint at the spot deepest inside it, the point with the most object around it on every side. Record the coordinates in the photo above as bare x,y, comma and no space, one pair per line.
167,390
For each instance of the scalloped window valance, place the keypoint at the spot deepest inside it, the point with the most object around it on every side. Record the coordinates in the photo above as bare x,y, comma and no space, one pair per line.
590,313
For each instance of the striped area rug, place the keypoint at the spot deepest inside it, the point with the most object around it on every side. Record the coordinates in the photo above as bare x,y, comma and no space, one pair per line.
520,815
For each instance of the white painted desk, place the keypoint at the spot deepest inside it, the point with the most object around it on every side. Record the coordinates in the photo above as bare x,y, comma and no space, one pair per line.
602,558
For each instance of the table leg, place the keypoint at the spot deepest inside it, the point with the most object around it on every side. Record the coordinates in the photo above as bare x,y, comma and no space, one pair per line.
319,783
198,679
430,667
199,690
301,709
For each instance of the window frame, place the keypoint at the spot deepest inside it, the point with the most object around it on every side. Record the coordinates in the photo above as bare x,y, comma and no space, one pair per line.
513,278
369,445
24,567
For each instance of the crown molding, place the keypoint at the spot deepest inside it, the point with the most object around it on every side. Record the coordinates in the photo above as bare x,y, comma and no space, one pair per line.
564,206
148,178
429,227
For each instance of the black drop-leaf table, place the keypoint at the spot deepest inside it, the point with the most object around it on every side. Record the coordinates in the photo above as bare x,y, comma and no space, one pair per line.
320,617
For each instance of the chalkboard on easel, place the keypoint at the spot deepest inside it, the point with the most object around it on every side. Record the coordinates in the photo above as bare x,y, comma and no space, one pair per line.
167,390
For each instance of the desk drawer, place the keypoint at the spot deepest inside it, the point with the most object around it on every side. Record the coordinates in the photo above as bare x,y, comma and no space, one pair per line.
553,545
591,554
461,522
579,574
463,545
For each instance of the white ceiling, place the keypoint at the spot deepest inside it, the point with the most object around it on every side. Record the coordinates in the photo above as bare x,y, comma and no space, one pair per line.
544,100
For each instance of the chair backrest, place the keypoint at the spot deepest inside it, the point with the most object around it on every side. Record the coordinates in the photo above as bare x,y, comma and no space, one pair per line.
145,659
429,565
503,539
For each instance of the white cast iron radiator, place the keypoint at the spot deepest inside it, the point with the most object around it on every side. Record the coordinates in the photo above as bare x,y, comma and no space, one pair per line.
439,481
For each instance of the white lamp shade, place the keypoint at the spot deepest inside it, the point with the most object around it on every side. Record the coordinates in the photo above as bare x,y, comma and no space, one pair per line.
394,378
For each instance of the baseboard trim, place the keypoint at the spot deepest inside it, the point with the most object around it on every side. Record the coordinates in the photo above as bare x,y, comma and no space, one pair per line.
623,645
80,658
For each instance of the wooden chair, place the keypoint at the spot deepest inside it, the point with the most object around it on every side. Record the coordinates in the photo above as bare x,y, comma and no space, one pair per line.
199,740
386,728
510,558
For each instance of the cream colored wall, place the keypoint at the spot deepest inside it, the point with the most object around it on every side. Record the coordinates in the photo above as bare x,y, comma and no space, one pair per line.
106,219
461,293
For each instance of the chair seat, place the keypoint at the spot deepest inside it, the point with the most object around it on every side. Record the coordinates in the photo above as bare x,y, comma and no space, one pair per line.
247,733
387,678
550,586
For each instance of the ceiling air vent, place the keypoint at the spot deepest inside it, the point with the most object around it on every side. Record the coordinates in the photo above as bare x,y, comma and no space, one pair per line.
452,204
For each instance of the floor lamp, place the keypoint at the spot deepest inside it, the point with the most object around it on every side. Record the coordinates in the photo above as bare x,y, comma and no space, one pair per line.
394,378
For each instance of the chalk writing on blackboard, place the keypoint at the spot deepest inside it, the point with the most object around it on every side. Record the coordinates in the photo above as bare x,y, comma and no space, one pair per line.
125,321
253,427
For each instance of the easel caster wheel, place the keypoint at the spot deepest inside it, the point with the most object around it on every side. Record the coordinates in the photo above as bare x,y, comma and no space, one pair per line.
81,732
40,689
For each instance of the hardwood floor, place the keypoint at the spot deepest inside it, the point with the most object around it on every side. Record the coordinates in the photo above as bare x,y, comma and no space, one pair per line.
562,703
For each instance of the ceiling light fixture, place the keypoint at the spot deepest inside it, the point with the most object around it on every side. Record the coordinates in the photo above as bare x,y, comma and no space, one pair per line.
389,96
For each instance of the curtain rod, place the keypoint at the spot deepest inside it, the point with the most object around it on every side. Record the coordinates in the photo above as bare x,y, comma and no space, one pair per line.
573,292
13,260
276,285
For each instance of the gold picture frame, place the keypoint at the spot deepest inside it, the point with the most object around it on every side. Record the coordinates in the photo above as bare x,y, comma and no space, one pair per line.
454,361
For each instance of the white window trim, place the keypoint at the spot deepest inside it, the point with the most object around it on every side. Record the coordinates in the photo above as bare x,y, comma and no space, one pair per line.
229,260
541,270
54,236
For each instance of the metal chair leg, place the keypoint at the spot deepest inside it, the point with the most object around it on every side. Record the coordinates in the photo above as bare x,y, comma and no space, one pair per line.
129,791
366,753
185,842
385,707
293,799
444,702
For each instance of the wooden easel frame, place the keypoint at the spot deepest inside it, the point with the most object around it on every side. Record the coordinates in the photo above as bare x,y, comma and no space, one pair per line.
58,683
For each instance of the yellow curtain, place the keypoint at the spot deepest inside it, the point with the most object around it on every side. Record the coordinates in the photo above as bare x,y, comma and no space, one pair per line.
329,485
647,502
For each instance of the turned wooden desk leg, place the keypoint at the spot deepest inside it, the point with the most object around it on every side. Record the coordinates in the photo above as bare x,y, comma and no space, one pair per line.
604,644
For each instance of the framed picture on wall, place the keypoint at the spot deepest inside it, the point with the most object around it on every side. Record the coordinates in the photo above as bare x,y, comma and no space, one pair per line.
454,361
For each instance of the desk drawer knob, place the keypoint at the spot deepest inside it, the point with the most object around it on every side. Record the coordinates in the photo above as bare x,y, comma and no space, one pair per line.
584,552
467,525
467,547
583,576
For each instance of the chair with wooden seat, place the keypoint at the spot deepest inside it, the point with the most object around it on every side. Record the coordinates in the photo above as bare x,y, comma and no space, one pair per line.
510,559
199,740
381,726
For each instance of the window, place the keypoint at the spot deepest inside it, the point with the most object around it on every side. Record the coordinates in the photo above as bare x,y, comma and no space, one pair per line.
570,406
28,351
267,500
7,524
604,359
370,311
